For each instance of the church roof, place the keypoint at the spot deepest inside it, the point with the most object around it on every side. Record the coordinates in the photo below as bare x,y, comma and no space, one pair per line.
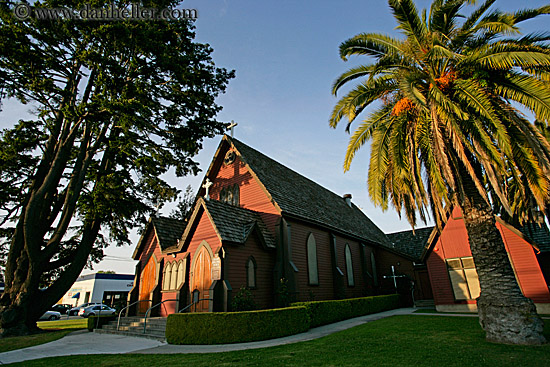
168,230
410,243
235,224
300,197
538,235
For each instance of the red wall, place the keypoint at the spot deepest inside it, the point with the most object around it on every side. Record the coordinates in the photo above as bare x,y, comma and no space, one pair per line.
525,265
236,259
453,242
251,195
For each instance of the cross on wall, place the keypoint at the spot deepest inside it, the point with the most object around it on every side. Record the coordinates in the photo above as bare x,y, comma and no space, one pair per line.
394,277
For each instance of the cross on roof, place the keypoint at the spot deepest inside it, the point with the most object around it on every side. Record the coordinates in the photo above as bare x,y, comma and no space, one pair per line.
207,185
231,126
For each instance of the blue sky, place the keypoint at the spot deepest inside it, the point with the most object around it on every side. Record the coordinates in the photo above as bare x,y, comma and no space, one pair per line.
285,54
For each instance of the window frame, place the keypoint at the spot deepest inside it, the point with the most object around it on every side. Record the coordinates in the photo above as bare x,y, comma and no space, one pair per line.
348,257
312,260
251,260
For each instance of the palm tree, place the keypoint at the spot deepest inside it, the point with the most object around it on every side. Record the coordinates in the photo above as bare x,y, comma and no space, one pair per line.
445,131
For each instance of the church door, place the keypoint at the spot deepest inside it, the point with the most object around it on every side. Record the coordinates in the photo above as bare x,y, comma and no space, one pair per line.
202,278
147,284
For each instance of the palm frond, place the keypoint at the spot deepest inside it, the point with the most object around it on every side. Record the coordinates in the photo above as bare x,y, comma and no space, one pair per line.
370,44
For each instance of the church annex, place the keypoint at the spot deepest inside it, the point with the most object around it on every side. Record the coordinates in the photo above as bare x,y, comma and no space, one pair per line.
259,225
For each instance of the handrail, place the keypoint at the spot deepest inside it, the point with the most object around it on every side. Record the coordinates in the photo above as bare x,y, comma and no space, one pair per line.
150,308
194,303
130,305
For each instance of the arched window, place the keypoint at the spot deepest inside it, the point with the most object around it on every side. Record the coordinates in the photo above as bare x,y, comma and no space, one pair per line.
174,276
230,195
251,272
166,276
312,269
349,267
374,274
181,274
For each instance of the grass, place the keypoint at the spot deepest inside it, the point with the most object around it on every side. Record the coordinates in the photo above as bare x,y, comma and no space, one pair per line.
396,341
53,330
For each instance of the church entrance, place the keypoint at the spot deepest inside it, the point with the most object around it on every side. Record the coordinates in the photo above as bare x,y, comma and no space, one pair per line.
202,278
147,284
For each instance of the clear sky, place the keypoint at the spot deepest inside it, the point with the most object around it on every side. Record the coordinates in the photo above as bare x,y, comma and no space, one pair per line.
285,54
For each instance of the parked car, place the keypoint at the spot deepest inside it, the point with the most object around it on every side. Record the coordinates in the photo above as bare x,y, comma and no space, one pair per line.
61,308
75,310
50,315
96,310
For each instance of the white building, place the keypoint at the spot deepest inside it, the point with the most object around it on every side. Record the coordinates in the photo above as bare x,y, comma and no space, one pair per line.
100,287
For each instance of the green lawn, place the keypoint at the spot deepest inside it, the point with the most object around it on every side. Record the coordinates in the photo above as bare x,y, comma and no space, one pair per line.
53,330
396,341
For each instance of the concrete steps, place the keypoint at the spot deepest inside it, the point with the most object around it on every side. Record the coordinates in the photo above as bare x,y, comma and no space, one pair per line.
133,326
425,303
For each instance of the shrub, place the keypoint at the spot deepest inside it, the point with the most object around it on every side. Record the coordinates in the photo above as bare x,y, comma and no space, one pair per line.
243,301
235,327
93,323
326,312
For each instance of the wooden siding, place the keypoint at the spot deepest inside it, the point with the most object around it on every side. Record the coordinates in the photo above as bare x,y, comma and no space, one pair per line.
251,194
453,243
325,289
236,258
528,273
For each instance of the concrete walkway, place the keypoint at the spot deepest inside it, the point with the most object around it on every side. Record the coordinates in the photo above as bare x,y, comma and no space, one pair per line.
84,342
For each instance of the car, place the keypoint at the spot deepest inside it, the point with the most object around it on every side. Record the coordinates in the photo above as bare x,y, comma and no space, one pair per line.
50,316
96,310
75,310
61,308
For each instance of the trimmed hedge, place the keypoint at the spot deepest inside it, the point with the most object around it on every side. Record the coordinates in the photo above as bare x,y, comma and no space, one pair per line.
235,327
92,321
326,312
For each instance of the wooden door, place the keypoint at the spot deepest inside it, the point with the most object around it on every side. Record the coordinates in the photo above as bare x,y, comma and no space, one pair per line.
147,284
202,278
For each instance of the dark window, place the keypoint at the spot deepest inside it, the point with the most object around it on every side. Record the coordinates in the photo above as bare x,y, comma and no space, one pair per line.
312,268
230,195
251,272
349,266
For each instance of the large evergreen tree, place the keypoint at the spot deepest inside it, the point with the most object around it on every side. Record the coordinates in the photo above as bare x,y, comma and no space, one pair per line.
117,105
446,132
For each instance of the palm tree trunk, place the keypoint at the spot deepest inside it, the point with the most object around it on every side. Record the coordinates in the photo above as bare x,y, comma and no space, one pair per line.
504,313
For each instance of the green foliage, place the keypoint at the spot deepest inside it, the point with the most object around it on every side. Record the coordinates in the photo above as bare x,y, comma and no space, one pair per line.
94,323
117,105
445,112
243,301
283,293
235,327
327,312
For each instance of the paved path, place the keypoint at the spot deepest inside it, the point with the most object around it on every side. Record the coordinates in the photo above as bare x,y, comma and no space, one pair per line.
84,342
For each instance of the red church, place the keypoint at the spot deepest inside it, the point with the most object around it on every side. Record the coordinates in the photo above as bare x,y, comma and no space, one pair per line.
452,271
259,225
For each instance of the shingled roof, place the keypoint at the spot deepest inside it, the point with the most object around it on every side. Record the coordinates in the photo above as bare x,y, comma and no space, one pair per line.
235,224
168,230
409,243
537,235
300,197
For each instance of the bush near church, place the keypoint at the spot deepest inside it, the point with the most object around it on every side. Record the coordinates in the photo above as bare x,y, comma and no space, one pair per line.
235,327
326,312
239,327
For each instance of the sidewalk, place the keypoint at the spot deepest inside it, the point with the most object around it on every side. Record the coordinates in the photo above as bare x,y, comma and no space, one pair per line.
84,342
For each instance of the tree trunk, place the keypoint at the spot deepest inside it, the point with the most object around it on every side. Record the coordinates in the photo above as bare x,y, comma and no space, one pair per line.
504,313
